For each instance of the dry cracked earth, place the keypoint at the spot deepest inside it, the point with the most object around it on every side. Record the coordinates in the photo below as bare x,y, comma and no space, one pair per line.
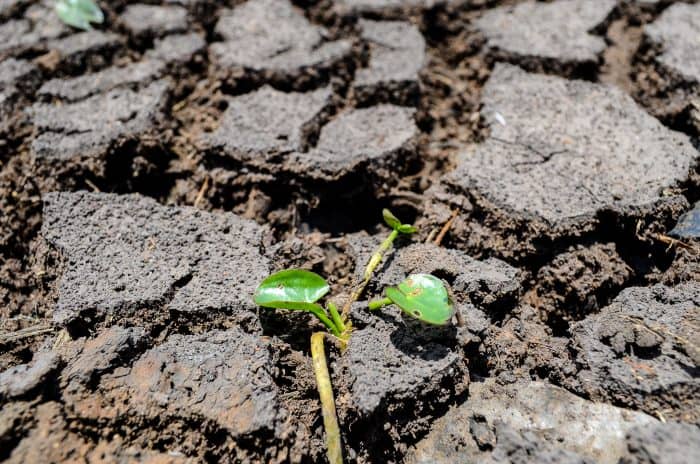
154,170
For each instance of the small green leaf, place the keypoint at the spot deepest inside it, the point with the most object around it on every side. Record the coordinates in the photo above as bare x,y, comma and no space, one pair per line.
407,229
391,220
79,13
292,289
423,297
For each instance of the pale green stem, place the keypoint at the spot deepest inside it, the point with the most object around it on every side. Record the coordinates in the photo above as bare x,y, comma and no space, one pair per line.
374,261
379,254
320,313
333,309
325,391
377,304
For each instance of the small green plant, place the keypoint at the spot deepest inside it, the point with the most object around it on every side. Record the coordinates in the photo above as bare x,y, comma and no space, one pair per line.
79,13
422,296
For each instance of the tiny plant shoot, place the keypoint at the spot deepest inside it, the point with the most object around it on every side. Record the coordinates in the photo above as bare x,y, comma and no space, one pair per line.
421,296
396,228
301,290
79,13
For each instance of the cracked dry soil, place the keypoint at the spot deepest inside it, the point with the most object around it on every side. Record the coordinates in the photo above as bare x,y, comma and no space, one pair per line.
153,171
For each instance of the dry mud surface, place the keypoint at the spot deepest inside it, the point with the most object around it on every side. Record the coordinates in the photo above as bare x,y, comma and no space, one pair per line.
154,170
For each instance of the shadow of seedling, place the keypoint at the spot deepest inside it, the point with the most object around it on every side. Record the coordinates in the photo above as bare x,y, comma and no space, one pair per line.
428,344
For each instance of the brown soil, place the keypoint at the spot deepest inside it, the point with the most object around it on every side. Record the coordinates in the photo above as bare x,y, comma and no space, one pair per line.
306,221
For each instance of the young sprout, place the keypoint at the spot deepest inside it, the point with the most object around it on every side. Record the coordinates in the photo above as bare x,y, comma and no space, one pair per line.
300,290
79,13
421,296
397,228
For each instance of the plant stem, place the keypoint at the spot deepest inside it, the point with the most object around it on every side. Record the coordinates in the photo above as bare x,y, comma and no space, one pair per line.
369,270
325,391
379,254
377,304
320,313
336,317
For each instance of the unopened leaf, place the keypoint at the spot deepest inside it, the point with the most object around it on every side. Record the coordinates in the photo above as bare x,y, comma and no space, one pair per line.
391,220
79,13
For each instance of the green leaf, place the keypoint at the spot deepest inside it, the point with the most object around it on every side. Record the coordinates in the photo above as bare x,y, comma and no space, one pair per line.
292,289
391,220
407,229
79,13
423,297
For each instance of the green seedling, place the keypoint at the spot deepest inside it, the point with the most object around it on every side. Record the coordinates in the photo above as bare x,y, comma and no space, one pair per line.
421,296
79,13
300,290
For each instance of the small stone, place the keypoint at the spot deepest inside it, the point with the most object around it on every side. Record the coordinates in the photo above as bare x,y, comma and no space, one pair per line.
154,20
688,226
562,424
129,258
559,30
675,33
669,443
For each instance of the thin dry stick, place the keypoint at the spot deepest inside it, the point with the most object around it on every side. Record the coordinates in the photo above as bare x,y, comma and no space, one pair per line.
92,185
325,392
659,331
438,241
671,242
25,333
431,235
446,227
202,191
